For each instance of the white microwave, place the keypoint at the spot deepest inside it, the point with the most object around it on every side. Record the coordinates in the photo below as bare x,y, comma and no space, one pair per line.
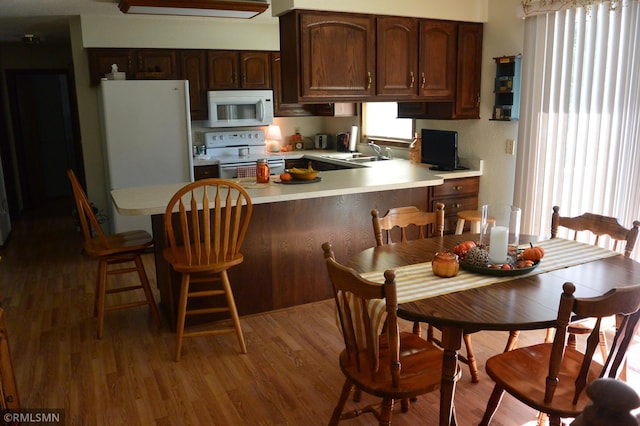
237,108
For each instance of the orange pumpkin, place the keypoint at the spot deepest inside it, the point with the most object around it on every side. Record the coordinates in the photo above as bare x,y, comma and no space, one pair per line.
462,248
533,253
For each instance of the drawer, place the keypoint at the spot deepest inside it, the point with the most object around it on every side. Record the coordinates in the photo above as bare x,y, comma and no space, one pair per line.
205,172
454,205
454,187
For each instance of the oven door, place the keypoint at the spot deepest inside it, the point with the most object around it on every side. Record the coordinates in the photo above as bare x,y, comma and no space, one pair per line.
248,169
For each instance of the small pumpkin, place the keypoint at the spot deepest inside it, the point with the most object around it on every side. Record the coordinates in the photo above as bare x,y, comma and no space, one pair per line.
462,248
533,253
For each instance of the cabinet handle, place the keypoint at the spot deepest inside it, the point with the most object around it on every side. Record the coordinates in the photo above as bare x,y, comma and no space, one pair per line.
478,101
413,79
369,80
458,187
457,206
424,81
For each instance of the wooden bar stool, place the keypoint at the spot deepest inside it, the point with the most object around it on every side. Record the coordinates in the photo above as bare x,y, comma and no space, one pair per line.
472,216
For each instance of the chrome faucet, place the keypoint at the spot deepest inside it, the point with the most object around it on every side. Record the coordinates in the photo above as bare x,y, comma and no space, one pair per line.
376,148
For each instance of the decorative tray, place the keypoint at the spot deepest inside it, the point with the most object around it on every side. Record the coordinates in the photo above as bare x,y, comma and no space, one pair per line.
497,271
295,182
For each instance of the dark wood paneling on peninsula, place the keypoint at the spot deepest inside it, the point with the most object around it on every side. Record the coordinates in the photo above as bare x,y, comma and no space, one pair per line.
283,260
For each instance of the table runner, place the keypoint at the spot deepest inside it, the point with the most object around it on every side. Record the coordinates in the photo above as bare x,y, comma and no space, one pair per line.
417,281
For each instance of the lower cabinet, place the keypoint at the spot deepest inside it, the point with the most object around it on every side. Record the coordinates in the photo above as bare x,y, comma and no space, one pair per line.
456,195
206,172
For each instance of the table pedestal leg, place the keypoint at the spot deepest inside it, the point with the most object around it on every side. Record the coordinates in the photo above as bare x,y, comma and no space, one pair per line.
451,342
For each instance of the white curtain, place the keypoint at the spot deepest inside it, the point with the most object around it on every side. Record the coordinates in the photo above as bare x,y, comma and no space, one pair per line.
579,127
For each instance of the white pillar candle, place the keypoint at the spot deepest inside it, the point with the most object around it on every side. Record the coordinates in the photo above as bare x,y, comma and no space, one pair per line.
498,244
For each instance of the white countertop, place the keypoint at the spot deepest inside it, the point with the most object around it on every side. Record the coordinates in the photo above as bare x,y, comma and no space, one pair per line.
377,176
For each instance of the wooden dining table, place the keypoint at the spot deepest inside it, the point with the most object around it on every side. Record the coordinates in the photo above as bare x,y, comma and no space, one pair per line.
516,302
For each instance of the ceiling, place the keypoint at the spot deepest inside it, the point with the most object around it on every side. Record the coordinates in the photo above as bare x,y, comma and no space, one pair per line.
48,18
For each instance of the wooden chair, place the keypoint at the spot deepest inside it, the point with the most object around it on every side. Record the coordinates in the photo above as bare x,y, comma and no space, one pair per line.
427,224
404,218
613,403
551,377
599,226
206,222
116,249
393,365
9,399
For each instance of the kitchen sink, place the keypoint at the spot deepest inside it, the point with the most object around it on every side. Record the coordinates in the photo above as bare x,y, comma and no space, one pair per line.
365,159
355,158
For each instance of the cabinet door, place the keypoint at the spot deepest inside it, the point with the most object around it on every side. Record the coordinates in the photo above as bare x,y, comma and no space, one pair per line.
156,63
255,70
193,67
280,108
469,70
438,44
397,56
337,55
223,70
101,60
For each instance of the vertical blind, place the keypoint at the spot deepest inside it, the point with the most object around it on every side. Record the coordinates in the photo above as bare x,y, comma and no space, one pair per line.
580,116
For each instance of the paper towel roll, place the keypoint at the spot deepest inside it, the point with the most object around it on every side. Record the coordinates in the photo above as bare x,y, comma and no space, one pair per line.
353,139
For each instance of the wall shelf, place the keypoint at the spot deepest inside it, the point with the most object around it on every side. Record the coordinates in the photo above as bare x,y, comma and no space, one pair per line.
507,88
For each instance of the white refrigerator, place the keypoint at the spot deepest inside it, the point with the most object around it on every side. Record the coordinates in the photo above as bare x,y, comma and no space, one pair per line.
146,133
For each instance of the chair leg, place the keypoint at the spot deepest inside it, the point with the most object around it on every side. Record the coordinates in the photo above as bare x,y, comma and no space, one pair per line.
417,330
555,420
147,289
512,342
602,342
543,419
549,337
492,405
471,359
459,226
101,290
385,412
337,412
233,311
572,341
182,312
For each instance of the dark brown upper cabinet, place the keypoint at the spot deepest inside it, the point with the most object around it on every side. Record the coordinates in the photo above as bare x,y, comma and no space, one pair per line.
397,56
101,60
466,104
469,70
416,58
438,53
327,56
229,70
281,108
156,64
193,67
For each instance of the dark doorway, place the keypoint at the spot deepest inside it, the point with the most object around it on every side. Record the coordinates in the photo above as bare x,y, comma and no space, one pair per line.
46,137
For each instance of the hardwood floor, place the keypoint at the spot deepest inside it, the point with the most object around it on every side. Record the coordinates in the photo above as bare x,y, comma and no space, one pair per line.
289,377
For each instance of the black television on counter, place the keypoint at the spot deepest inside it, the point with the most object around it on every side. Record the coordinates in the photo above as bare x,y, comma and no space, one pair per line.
440,149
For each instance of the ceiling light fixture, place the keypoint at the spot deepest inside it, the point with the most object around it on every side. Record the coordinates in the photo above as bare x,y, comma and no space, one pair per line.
212,8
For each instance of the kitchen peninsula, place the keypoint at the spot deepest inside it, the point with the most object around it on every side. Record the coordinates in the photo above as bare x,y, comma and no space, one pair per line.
283,263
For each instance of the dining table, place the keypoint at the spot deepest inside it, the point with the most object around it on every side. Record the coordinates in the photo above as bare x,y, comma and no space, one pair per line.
473,301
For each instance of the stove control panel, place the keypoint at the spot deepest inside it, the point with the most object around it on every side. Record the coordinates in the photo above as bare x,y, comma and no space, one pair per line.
226,139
